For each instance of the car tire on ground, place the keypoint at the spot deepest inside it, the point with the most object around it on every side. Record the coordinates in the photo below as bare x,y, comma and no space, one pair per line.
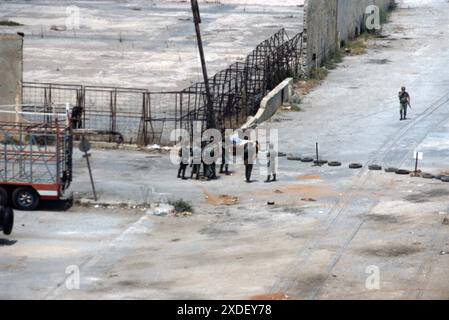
355,166
374,167
294,158
334,164
402,172
25,198
445,179
427,176
282,154
320,162
7,219
391,170
3,197
306,160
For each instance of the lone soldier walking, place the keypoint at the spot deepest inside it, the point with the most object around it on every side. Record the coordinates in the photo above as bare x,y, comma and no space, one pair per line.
404,100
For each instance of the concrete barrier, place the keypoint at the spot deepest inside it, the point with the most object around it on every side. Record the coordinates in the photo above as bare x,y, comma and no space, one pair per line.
271,103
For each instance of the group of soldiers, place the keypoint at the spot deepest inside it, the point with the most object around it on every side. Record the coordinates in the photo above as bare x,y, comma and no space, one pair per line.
207,157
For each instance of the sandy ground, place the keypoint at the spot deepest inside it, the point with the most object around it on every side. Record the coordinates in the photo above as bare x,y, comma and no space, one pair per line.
139,43
329,228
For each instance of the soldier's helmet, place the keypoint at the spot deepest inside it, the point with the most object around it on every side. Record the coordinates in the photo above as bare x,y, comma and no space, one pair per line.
404,88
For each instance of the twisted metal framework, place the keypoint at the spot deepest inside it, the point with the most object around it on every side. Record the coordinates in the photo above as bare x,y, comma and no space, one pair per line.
146,117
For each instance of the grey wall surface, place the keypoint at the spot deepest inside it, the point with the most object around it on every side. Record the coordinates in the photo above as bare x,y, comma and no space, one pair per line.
11,64
327,22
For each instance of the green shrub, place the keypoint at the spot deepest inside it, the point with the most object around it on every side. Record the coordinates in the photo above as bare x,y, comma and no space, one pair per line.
181,206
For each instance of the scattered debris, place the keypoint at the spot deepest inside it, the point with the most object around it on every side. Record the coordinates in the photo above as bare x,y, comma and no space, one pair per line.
161,210
308,199
444,253
416,174
271,203
183,214
446,221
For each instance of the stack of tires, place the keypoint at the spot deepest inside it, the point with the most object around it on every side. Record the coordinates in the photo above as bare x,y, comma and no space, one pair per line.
6,217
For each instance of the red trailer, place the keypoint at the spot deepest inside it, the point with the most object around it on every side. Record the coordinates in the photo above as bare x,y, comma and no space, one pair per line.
36,157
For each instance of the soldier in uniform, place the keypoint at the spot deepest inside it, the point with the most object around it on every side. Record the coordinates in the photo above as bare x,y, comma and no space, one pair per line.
249,156
404,100
77,113
184,161
224,167
271,157
195,153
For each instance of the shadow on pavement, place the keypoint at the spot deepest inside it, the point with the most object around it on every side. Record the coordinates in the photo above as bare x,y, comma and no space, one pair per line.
57,205
6,242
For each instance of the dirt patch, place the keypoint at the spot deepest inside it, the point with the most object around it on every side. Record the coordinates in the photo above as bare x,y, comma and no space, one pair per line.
309,177
221,200
390,251
270,296
427,196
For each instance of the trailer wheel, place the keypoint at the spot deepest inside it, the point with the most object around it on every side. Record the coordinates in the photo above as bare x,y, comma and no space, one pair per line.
3,197
25,199
7,220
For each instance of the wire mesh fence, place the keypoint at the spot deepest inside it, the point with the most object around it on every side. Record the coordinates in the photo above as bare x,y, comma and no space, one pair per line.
144,117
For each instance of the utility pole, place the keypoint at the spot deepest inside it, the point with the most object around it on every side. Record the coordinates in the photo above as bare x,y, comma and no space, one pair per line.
210,115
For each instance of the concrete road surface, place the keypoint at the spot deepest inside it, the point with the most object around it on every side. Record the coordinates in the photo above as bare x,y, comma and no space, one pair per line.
333,233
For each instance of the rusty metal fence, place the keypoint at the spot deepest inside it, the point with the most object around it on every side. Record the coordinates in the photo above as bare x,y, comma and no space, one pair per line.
144,117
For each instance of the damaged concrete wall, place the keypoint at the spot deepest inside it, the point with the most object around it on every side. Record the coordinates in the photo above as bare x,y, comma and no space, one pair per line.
327,22
11,67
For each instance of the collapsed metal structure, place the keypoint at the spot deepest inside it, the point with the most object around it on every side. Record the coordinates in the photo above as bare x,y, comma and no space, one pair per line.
144,117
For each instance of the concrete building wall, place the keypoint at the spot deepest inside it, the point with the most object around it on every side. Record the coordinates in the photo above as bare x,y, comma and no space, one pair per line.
327,22
11,65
